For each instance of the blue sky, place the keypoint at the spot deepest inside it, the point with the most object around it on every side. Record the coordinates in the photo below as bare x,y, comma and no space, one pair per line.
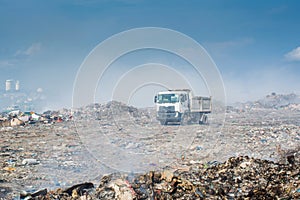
255,44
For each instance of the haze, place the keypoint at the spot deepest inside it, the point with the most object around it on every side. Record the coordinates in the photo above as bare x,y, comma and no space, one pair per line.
255,44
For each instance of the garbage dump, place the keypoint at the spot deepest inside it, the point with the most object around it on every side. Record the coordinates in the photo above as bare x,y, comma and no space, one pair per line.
18,118
255,155
237,178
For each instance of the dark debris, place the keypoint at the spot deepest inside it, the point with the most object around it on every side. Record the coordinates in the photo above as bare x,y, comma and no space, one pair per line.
237,178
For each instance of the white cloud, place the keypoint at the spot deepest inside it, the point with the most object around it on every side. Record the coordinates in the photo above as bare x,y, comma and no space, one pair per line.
34,48
293,55
20,56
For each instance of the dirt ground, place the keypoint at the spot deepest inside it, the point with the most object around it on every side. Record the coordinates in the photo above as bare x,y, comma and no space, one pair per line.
60,155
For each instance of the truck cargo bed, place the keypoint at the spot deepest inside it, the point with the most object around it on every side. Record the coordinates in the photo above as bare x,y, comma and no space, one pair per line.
201,104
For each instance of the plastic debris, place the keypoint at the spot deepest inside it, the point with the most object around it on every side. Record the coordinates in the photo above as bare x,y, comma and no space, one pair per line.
255,156
30,161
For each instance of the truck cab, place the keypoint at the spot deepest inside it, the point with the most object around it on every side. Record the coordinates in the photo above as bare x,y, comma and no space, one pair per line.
177,106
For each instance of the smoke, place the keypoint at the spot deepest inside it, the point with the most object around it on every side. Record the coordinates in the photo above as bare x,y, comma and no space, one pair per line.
257,84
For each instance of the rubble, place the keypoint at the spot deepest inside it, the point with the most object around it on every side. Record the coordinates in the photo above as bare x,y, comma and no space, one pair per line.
254,155
237,178
273,101
18,118
16,122
26,195
30,162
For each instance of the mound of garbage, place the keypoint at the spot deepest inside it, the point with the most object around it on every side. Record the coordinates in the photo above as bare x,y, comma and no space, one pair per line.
278,100
237,178
29,153
272,101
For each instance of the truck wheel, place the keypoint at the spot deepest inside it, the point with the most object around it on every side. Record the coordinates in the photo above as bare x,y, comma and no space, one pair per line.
184,120
162,122
203,120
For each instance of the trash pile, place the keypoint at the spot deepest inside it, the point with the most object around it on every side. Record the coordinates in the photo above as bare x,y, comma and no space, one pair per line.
272,101
237,178
18,118
278,100
111,111
255,155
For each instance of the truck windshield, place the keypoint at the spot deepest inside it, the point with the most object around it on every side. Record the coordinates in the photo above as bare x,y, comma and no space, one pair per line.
167,98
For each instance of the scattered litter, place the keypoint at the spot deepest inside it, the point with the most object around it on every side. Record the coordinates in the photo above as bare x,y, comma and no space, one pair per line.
256,156
30,161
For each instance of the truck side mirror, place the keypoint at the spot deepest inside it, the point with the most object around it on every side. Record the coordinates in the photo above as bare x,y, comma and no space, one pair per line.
155,99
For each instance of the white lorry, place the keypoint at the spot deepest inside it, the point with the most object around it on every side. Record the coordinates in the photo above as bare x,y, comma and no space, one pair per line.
181,106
